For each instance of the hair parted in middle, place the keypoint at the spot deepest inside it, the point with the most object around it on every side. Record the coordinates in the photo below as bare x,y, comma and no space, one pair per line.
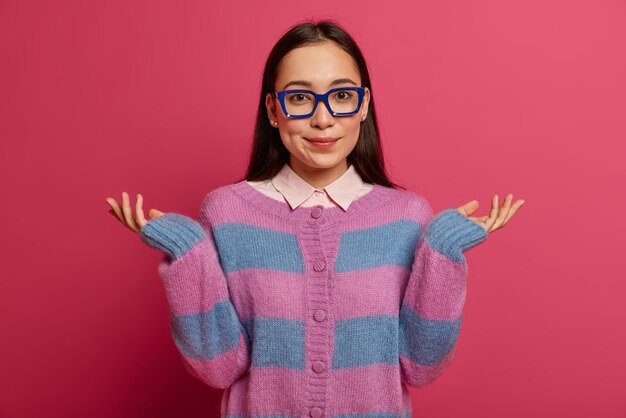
268,153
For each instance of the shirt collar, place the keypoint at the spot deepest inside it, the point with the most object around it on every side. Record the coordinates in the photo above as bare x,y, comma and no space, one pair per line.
296,190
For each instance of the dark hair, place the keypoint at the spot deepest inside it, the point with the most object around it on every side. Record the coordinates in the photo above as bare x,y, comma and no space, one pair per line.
268,153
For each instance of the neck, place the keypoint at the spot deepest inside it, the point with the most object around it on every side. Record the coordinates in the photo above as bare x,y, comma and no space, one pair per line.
319,177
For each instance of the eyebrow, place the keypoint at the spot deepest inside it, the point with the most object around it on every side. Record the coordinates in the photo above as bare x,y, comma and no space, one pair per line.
309,84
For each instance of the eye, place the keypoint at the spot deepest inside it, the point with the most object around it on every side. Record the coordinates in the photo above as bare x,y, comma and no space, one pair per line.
297,97
344,95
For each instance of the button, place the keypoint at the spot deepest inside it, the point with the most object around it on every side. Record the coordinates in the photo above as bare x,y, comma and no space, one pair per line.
319,265
319,315
316,212
315,412
319,366
318,193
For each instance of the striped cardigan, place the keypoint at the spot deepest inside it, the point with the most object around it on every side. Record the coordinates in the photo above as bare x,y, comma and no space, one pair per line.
316,311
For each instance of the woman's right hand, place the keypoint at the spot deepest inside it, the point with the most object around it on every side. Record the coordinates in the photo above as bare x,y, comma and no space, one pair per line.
124,212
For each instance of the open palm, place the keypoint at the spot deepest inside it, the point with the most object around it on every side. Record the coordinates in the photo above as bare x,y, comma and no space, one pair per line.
124,213
498,216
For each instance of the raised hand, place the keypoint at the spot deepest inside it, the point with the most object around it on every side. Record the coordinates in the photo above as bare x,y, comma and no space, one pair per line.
498,216
125,215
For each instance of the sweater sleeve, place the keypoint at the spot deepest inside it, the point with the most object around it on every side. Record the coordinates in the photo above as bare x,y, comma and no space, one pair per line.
204,324
430,314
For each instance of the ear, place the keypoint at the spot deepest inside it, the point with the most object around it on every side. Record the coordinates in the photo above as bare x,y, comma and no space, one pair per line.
270,105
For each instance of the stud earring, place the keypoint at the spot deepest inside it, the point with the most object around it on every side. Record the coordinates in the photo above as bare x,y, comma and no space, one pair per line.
274,123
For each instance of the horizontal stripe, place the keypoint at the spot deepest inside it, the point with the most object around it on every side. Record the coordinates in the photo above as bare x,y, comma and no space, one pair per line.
369,292
173,234
267,293
437,287
221,371
243,246
406,414
365,340
182,289
366,386
277,389
206,335
425,341
276,342
259,416
419,375
451,233
392,243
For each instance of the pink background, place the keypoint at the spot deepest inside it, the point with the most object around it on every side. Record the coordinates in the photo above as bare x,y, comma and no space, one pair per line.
474,98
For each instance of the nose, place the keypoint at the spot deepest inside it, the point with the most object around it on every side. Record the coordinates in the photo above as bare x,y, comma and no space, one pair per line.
322,116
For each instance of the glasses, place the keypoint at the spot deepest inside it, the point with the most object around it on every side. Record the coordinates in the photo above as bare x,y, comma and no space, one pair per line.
342,101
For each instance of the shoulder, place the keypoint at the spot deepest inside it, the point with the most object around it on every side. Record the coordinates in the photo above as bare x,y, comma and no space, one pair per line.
411,204
218,195
218,203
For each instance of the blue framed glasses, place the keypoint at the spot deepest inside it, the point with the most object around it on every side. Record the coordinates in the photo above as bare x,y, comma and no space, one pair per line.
341,101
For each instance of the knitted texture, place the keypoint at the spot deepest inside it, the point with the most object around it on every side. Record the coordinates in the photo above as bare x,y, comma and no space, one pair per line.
316,311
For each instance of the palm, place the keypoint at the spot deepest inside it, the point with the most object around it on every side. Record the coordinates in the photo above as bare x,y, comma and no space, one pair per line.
124,212
498,216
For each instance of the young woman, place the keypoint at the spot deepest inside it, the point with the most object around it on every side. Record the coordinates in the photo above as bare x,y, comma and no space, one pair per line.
315,286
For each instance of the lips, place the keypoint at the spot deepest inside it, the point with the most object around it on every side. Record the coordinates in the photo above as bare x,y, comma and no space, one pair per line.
322,140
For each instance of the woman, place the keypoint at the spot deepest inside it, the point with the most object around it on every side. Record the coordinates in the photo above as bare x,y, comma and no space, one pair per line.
315,286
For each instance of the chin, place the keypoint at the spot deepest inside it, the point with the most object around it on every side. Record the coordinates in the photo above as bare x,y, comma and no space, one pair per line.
324,165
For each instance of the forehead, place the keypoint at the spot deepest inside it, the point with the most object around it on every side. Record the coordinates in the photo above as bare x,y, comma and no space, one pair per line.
319,64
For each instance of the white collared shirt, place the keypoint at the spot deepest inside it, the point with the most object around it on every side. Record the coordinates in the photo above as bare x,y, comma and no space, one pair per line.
290,187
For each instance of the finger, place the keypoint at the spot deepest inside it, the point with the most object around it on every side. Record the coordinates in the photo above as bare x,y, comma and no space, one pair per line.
507,205
117,212
503,212
141,219
514,209
115,209
128,215
493,213
469,208
153,213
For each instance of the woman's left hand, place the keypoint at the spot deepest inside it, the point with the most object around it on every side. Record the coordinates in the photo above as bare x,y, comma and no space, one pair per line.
498,217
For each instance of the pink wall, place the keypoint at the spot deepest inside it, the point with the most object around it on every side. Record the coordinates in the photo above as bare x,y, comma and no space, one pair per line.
474,98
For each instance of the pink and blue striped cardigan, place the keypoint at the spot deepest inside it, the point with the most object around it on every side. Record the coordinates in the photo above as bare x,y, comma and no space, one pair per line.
314,311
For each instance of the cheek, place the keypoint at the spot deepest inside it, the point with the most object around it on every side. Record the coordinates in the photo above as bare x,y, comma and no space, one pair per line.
352,129
292,132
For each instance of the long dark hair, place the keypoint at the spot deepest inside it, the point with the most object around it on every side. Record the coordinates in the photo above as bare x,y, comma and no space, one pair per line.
268,153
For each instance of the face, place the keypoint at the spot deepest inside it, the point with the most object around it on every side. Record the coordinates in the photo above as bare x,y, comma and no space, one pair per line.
317,67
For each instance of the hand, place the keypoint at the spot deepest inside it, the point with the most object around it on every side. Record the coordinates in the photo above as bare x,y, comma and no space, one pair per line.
124,214
498,217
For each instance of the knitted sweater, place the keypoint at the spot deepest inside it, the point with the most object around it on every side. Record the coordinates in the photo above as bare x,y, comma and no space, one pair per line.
314,311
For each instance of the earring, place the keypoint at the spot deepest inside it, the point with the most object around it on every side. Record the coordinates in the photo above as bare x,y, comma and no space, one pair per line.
274,123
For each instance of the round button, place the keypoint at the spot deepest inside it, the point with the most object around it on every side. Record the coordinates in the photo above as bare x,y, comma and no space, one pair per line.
318,193
315,412
319,265
319,367
319,315
316,212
